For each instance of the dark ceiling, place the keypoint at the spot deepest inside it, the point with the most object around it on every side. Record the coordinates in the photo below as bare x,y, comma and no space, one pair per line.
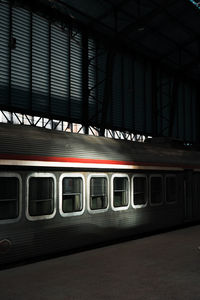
166,31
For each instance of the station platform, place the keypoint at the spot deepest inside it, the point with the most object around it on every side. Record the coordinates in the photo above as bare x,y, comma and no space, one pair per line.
164,266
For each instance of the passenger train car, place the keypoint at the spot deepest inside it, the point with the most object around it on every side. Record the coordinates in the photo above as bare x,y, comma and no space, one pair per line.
61,191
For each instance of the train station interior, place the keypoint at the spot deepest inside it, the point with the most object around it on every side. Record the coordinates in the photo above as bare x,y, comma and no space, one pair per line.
99,149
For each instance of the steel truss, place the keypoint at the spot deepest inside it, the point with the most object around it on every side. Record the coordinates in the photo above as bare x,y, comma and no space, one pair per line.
23,119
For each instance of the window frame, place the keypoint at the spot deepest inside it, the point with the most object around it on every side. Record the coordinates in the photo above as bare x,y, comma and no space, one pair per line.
112,192
174,176
162,201
97,211
43,217
18,176
132,190
71,175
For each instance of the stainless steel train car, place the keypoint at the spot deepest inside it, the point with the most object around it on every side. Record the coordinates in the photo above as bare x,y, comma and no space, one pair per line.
61,191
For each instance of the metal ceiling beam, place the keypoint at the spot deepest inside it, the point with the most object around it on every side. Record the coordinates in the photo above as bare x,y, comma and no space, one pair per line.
179,46
114,8
147,17
179,22
182,46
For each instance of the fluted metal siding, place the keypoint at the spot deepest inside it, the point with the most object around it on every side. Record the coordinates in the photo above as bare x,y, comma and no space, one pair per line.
128,88
40,64
4,53
92,81
20,59
76,74
117,93
59,72
139,95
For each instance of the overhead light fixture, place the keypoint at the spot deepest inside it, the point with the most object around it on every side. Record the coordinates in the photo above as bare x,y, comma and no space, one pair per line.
140,28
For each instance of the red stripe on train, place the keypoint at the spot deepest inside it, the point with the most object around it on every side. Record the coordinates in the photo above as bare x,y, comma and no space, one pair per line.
85,160
64,159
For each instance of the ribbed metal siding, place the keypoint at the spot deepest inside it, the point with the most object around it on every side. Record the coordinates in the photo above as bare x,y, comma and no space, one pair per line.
139,116
76,75
59,72
117,115
101,76
20,59
4,53
128,90
92,81
40,65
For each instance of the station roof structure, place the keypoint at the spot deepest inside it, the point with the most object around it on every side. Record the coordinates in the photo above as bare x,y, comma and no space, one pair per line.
165,31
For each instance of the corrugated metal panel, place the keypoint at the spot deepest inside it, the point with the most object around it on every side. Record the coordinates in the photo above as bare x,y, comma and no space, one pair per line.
165,104
40,65
148,96
117,116
128,90
188,115
139,116
92,81
181,112
194,110
59,72
101,76
20,59
4,52
76,75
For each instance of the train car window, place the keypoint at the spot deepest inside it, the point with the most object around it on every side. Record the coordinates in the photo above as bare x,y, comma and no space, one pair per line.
156,190
41,196
120,191
139,191
9,198
72,194
98,193
171,188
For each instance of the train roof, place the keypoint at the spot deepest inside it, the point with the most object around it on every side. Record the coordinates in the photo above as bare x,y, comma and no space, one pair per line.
28,143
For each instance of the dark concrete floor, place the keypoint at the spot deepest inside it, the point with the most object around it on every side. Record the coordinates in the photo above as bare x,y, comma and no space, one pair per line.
164,266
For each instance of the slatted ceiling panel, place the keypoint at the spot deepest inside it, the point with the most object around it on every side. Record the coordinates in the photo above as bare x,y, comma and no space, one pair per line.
92,80
59,72
40,64
4,53
20,59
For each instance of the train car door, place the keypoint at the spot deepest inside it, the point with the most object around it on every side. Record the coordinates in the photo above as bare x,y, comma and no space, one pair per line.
188,196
